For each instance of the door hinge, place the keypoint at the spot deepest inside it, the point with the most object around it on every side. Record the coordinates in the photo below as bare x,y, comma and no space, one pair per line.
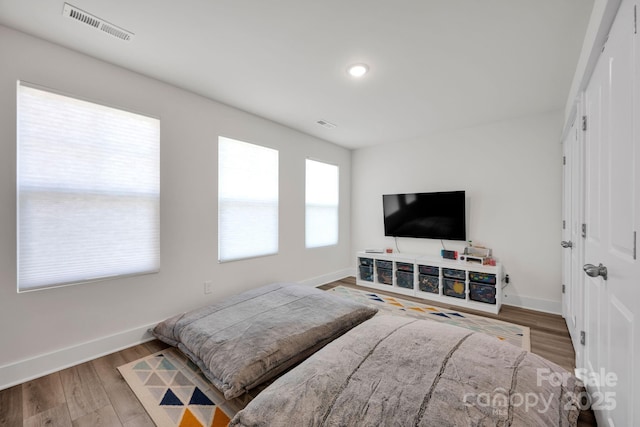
635,20
583,337
564,160
563,288
564,224
584,231
635,249
584,123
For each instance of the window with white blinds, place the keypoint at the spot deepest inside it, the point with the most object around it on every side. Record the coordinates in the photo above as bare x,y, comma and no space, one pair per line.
88,191
321,218
247,200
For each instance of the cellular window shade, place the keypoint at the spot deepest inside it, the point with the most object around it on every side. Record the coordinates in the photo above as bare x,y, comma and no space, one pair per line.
321,195
247,200
88,190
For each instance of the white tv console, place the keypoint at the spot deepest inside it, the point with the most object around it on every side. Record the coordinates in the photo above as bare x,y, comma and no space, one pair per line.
451,282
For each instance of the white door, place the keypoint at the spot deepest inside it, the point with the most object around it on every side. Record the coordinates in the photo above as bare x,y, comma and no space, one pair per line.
576,306
612,216
567,243
572,275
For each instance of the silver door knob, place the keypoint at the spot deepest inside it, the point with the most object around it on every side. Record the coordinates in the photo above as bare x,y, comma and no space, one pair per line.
594,271
566,244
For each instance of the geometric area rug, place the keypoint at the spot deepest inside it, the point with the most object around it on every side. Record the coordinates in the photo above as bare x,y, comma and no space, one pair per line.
517,335
173,391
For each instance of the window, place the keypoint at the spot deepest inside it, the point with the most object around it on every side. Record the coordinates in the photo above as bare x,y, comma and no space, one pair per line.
321,227
88,188
247,200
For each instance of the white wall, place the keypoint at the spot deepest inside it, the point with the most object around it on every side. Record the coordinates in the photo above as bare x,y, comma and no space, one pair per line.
512,174
45,330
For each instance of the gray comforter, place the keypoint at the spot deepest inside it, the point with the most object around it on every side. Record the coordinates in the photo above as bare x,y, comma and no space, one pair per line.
397,371
251,337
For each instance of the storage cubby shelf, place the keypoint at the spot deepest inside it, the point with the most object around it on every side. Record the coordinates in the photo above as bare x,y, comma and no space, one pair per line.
459,283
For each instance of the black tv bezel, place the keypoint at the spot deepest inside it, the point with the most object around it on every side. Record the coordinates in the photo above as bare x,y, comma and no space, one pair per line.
431,235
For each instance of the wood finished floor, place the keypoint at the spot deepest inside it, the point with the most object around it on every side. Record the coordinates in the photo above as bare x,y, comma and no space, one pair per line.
94,394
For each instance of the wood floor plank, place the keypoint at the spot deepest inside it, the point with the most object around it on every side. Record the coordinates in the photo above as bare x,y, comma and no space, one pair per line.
11,407
142,421
83,389
58,416
106,366
124,401
42,394
103,417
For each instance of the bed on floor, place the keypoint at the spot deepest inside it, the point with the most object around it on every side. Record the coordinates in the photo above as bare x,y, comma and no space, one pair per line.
354,369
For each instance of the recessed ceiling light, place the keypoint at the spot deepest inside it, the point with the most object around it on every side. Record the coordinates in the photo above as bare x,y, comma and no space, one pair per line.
358,70
326,124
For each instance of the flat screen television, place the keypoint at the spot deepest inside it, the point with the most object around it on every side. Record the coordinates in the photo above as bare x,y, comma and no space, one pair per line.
438,215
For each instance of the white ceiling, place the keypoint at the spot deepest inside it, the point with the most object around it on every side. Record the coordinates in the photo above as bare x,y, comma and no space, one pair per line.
435,64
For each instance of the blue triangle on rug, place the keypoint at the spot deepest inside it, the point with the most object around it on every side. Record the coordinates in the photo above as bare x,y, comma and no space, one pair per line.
170,399
199,398
375,298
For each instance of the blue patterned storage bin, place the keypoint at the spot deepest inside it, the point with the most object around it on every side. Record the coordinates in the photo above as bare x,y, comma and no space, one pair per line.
487,278
482,293
427,283
453,288
428,269
380,263
384,276
454,274
404,279
404,266
366,273
366,261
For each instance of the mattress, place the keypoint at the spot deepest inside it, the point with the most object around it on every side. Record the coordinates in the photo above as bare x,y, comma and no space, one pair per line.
254,336
400,371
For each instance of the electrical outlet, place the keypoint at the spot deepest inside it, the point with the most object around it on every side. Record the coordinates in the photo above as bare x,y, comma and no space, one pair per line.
207,287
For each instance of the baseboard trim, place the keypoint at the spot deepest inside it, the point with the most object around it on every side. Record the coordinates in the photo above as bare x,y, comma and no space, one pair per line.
327,278
537,304
35,367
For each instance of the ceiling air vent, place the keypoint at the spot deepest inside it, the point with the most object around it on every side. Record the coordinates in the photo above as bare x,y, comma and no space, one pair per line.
326,124
95,22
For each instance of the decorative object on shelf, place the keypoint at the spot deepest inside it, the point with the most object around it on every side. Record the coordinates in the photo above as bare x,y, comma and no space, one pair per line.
449,254
477,255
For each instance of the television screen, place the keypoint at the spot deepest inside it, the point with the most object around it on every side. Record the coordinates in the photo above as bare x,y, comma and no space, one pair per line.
425,215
